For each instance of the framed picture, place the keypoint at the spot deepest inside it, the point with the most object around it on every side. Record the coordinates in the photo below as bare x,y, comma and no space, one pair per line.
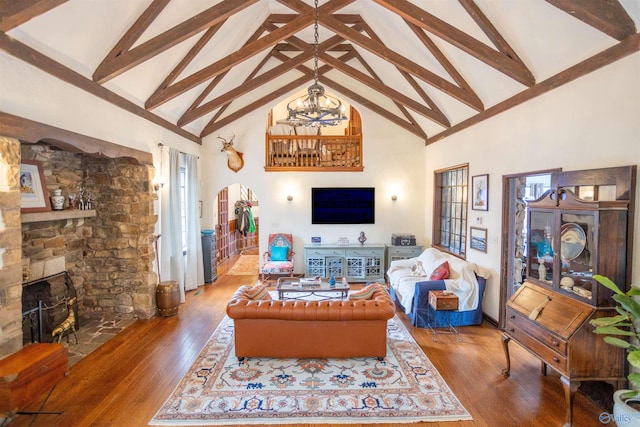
33,196
478,239
480,193
316,240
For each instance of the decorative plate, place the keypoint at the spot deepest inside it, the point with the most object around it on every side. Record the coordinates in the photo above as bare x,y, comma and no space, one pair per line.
572,241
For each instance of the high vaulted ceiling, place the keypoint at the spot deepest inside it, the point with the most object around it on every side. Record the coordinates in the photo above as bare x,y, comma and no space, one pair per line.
432,67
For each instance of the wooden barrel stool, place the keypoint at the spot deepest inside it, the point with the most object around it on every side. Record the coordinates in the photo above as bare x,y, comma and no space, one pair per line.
168,298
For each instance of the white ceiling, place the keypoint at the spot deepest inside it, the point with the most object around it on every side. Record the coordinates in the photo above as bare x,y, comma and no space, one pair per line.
79,34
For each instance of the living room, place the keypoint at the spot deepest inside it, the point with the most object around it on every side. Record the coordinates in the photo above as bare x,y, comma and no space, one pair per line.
588,122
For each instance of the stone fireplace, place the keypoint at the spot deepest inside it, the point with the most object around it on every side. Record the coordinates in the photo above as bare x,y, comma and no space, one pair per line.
107,254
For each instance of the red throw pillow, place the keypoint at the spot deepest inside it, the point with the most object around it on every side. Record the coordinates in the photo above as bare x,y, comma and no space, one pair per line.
441,272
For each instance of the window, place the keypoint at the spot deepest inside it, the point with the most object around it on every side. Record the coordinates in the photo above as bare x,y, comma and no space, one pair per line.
450,210
247,194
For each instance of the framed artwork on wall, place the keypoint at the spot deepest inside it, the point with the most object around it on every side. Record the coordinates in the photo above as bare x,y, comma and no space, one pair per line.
480,193
33,196
478,240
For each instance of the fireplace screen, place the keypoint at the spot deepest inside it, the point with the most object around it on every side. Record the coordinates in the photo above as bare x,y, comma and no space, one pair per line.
44,306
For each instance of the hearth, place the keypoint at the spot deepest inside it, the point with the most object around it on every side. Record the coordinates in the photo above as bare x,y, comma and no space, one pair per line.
44,306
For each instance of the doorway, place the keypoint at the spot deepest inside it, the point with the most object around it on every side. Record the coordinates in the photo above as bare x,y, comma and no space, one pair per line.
518,189
233,204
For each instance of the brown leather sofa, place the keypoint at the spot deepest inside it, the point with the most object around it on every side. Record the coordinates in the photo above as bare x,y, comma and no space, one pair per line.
311,329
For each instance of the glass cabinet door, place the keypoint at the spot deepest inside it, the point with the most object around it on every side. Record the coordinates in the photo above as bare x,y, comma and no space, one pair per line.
540,246
335,267
577,248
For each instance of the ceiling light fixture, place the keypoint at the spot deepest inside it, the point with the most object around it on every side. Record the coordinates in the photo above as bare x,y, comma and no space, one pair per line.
315,109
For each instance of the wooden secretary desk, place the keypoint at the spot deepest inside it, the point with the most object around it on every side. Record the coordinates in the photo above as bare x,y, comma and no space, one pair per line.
570,239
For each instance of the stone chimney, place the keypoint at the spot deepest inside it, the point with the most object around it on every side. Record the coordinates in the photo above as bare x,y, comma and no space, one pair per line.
108,254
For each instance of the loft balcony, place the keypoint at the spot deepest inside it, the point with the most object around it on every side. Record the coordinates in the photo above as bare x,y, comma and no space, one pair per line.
313,153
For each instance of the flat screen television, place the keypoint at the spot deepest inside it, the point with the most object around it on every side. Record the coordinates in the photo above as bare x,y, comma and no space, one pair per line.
343,205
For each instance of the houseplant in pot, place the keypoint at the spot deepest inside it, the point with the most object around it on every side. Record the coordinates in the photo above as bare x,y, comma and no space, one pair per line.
623,330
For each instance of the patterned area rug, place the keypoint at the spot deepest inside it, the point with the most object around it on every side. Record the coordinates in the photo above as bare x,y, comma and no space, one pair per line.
403,388
246,265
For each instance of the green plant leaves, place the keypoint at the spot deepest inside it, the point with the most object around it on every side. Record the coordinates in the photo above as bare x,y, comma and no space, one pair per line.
616,342
608,283
612,330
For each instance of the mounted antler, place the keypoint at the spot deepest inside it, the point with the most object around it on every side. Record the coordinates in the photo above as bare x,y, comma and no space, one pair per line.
235,162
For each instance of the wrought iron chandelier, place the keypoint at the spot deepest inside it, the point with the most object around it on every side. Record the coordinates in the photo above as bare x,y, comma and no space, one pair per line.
315,109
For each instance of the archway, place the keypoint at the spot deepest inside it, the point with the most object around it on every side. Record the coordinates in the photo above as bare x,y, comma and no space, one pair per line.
235,206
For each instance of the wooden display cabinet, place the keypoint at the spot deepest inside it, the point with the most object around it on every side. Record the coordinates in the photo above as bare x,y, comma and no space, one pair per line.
569,240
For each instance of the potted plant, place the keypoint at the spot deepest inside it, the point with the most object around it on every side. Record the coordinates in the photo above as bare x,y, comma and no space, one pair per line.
623,330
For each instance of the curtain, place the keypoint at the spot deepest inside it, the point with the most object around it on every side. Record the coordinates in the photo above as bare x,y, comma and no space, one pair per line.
194,266
172,259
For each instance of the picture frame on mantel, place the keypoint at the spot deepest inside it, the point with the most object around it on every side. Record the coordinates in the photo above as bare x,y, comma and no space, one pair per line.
33,195
480,192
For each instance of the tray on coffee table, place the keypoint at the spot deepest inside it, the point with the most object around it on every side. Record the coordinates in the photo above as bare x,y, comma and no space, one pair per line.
318,288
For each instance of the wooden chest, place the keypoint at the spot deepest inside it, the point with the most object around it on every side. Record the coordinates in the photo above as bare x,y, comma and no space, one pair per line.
443,300
30,372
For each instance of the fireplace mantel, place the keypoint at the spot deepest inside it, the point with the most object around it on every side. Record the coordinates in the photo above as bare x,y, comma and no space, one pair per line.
57,215
31,132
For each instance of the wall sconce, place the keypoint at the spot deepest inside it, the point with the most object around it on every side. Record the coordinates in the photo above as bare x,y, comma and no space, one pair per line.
394,197
158,183
289,197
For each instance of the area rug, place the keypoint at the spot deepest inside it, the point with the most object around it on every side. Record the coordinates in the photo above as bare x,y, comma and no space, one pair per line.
218,389
245,265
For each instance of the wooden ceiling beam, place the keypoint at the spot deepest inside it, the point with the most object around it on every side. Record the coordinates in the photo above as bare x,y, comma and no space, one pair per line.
283,18
626,47
218,124
216,80
329,7
439,56
385,90
49,66
460,39
608,16
164,94
408,77
374,82
364,102
464,96
411,126
193,52
245,87
490,30
134,32
125,60
264,78
14,12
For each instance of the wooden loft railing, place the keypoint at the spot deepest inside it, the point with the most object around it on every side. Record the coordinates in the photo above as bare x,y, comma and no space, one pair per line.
317,153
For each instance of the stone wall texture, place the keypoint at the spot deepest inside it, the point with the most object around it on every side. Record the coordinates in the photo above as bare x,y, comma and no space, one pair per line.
10,248
110,256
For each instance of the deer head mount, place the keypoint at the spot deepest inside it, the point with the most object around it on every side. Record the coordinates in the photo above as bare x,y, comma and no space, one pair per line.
235,162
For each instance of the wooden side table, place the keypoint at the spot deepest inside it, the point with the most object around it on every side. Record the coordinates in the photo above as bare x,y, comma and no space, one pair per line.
447,302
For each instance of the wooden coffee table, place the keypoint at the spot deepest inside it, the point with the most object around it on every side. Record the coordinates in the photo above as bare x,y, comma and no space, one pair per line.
299,289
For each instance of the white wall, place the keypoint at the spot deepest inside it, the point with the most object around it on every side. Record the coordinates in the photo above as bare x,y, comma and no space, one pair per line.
27,92
589,123
393,164
592,122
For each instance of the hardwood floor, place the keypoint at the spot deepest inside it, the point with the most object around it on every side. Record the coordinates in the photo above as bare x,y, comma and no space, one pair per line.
126,380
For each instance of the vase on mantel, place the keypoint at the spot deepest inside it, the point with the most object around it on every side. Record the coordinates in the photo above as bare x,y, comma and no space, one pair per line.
57,200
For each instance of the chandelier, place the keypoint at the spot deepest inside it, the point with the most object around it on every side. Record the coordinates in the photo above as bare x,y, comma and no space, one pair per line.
315,109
